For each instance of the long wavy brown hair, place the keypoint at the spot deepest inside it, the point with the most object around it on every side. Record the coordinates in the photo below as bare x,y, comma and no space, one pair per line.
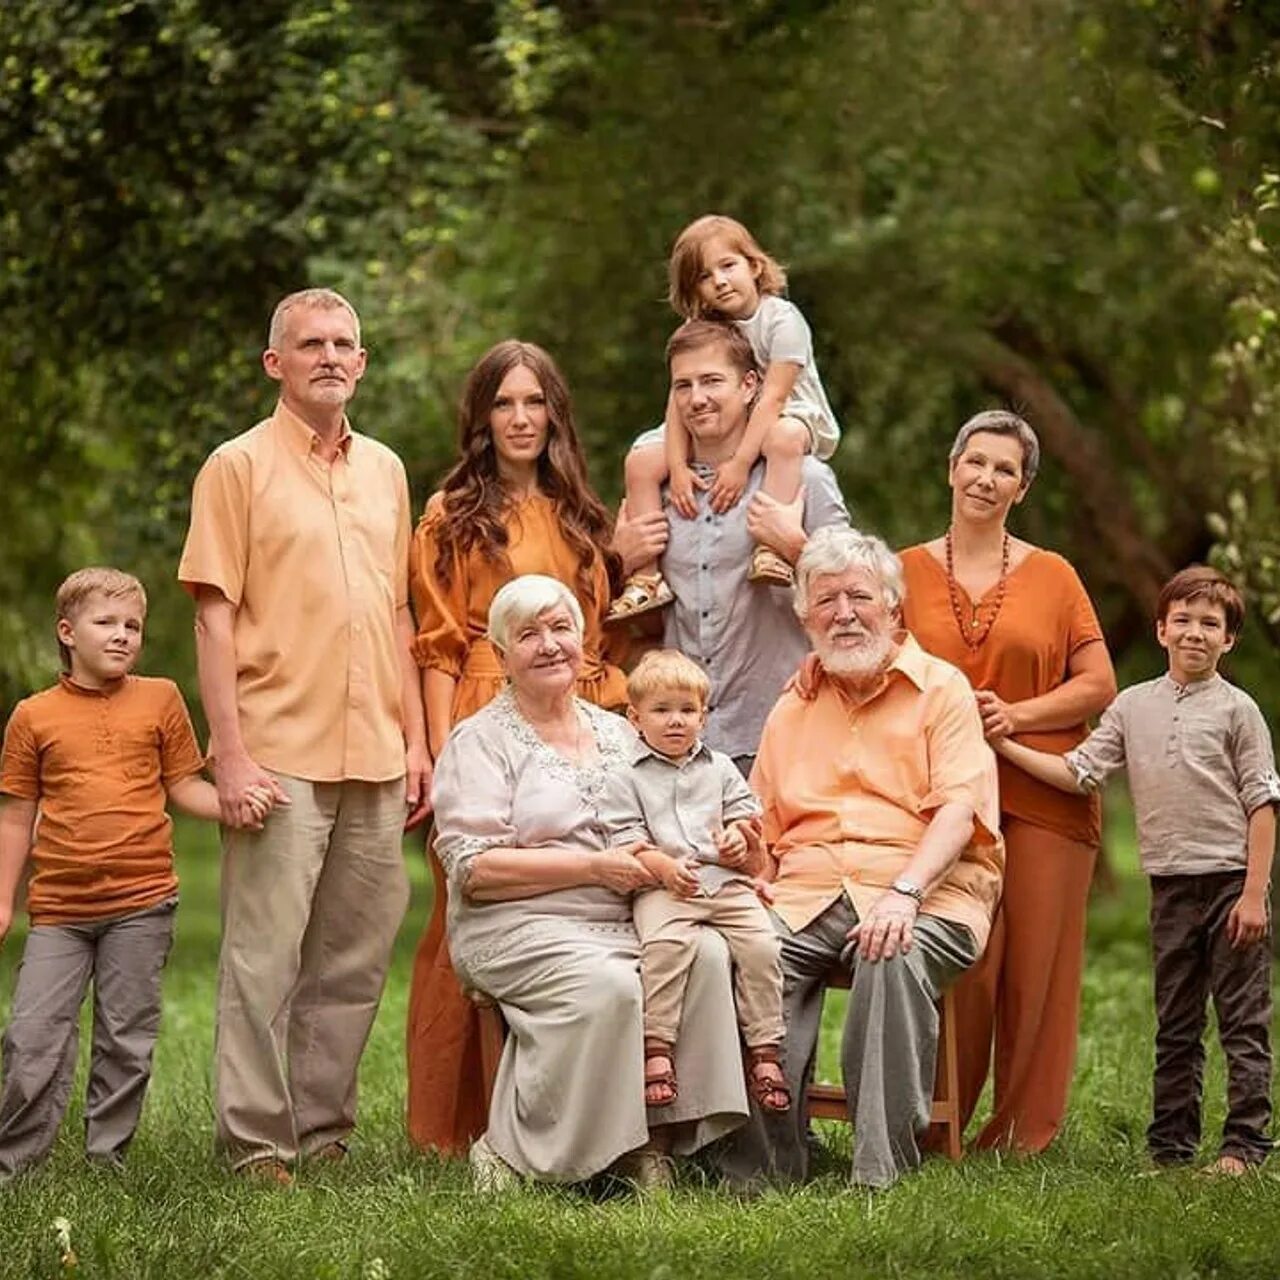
475,500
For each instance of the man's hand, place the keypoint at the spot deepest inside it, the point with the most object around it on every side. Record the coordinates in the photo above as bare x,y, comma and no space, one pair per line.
804,684
639,540
622,871
779,525
682,487
239,779
1247,921
730,481
888,928
417,785
998,716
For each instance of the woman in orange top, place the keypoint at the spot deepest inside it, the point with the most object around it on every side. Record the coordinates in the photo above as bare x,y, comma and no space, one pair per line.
1017,621
516,502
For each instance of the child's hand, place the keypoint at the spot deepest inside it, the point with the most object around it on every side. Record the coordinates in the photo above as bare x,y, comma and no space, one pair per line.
678,876
764,891
1247,921
261,801
730,481
731,846
682,484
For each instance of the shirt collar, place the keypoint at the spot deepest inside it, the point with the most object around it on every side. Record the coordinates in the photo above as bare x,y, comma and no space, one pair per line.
644,751
302,438
1192,687
107,691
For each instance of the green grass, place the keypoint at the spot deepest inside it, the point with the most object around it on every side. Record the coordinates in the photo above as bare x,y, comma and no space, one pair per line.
1084,1209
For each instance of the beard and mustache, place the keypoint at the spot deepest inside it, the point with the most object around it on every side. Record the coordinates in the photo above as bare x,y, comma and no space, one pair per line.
861,664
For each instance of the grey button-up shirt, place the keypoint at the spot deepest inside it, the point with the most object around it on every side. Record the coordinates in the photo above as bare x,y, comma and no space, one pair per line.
678,805
744,635
1200,762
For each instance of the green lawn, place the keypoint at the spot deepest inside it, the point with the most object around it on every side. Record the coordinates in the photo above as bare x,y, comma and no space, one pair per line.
1085,1209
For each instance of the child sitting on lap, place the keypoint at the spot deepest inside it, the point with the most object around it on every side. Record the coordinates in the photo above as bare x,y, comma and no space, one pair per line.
1204,789
692,805
95,755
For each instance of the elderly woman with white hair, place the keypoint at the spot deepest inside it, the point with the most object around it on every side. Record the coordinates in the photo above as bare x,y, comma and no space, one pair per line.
1018,622
540,919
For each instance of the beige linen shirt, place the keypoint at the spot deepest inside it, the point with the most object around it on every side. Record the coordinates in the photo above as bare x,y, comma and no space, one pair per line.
314,556
1200,762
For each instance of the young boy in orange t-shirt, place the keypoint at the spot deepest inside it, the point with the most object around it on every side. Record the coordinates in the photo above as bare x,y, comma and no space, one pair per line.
95,756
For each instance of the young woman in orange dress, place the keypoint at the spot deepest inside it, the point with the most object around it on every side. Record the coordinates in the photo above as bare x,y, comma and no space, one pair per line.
516,502
1018,622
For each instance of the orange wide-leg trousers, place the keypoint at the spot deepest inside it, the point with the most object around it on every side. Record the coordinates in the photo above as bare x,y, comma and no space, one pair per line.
1025,991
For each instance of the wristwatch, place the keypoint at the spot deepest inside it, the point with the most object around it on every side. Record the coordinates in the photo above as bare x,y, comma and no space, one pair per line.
912,891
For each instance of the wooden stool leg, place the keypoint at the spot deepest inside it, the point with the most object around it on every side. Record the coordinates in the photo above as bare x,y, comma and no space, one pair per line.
492,1034
946,1102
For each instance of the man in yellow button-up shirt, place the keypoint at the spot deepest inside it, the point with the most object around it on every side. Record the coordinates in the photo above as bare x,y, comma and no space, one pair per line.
298,557
881,817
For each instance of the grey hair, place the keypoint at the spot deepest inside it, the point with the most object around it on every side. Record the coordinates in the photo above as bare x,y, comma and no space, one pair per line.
1002,422
525,598
838,547
307,299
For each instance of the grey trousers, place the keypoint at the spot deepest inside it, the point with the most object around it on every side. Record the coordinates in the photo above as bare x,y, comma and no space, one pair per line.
310,909
124,957
887,1053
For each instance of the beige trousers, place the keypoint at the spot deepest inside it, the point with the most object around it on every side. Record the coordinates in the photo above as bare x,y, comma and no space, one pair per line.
310,909
668,929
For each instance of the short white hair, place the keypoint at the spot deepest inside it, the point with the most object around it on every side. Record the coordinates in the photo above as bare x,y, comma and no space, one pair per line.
525,598
838,547
307,300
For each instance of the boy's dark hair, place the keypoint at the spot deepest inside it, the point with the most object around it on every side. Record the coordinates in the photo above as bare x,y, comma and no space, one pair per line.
75,591
1199,582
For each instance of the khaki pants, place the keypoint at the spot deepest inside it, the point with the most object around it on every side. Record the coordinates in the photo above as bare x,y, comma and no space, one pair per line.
310,909
124,957
668,929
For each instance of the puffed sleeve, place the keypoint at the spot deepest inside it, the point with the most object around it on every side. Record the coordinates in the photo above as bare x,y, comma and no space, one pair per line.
20,763
962,767
216,553
441,609
1103,751
1252,758
786,335
471,794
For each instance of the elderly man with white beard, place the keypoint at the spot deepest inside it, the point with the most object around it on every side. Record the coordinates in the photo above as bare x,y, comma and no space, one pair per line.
881,820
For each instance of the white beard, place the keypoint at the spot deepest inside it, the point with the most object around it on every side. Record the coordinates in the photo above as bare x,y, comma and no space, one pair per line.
860,666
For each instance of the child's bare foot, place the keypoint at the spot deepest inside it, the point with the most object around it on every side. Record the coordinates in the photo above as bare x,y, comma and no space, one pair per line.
660,1087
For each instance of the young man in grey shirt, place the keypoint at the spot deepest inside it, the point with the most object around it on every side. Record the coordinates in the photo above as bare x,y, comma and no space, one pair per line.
744,635
1204,786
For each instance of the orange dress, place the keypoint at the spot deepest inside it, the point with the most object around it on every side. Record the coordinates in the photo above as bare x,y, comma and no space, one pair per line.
1026,987
446,1107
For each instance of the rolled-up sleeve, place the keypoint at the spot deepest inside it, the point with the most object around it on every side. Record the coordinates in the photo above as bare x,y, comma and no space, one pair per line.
471,794
962,767
621,814
1253,759
440,608
1102,753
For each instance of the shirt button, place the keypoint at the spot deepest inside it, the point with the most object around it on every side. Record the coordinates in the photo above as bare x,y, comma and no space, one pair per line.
706,566
705,612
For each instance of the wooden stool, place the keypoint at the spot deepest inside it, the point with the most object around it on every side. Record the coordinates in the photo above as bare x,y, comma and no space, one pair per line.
493,1031
828,1102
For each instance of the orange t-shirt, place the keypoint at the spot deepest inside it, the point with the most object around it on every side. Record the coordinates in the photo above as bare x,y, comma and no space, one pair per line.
1046,615
98,763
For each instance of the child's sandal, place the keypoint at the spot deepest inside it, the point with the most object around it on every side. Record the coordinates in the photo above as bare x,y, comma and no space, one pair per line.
769,567
642,593
660,1087
768,1087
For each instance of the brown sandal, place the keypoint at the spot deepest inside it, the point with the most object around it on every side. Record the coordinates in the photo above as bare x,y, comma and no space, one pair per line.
642,593
768,1088
662,1081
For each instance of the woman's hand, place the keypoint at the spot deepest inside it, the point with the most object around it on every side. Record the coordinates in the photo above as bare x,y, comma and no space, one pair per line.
621,871
998,716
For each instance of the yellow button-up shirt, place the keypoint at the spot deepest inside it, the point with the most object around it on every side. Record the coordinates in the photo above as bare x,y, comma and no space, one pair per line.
314,555
849,789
